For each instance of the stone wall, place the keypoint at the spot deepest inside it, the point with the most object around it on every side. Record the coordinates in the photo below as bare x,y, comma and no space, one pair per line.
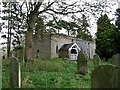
42,47
58,41
87,47
49,45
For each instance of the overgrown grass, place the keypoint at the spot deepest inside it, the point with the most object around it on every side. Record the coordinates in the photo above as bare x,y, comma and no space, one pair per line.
5,73
43,65
50,73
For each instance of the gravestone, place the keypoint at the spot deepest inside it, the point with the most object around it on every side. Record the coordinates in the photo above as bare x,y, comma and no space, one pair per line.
82,64
96,60
104,76
14,72
116,62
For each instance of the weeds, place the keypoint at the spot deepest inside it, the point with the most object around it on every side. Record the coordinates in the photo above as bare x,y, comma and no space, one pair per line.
50,73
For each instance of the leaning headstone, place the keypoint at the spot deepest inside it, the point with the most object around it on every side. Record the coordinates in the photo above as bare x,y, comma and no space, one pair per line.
104,76
116,62
14,72
82,64
96,60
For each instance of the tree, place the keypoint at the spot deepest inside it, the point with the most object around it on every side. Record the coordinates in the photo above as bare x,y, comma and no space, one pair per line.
70,26
117,36
77,28
105,37
83,31
15,25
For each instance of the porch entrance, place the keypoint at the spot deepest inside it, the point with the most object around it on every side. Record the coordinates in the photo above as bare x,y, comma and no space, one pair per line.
74,54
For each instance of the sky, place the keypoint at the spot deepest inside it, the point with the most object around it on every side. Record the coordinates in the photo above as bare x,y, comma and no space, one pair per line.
93,27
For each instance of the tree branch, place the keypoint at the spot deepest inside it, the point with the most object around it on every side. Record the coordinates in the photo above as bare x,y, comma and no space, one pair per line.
53,17
37,6
44,10
65,13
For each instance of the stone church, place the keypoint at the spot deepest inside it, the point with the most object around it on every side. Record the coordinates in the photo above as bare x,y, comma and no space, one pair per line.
49,45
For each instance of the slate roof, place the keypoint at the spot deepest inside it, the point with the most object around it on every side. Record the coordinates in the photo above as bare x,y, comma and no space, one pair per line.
65,47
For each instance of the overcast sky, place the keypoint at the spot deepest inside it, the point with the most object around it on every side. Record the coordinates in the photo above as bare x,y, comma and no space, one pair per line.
92,22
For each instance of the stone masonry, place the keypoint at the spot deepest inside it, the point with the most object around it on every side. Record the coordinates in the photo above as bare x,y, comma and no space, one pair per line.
48,45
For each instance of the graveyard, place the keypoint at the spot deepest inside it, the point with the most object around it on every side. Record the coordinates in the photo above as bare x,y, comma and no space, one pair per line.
56,73
60,44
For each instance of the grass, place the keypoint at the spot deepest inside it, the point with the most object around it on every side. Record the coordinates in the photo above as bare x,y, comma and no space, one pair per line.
5,73
50,73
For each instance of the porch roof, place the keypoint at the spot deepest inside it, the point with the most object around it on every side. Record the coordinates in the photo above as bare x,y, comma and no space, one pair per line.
65,47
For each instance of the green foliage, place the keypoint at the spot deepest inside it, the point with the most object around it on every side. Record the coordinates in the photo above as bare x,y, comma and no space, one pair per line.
5,73
117,23
82,57
19,52
42,65
83,31
15,26
63,75
66,78
72,27
49,73
117,36
53,26
105,37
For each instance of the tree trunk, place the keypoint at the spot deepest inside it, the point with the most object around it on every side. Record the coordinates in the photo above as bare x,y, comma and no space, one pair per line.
29,45
9,32
29,35
39,29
